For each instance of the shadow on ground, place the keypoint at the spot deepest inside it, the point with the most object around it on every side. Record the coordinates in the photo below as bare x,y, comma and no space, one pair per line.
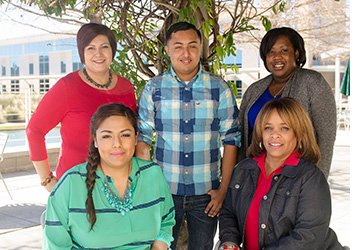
16,216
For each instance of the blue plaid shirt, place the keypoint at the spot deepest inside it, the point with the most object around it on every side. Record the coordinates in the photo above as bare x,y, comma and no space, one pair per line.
191,121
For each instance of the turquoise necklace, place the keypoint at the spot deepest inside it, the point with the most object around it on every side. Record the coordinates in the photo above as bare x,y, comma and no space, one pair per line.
122,205
106,85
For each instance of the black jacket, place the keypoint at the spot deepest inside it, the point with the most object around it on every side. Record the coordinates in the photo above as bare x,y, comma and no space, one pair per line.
295,213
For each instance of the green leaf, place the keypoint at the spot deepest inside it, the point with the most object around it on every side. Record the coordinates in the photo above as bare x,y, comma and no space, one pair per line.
207,28
274,10
229,41
266,23
282,6
216,67
220,52
233,88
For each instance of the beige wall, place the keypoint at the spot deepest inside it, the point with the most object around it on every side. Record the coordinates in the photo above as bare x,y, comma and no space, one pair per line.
19,161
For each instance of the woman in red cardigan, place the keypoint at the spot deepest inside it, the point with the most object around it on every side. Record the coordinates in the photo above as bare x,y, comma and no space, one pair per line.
73,100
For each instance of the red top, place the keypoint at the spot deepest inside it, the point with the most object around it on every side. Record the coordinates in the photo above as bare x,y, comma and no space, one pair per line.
72,103
263,187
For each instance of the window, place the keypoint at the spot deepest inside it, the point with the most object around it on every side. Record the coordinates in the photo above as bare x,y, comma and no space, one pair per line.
77,66
32,88
44,65
31,68
3,70
15,87
44,86
239,88
62,67
3,88
14,70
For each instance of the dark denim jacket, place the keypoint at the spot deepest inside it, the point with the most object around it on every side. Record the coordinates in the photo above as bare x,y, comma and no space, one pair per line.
294,214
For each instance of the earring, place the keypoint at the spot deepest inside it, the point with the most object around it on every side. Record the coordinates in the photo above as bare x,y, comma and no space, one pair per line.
260,145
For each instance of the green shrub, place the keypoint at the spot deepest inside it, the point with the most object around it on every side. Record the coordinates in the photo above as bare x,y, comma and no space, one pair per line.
13,107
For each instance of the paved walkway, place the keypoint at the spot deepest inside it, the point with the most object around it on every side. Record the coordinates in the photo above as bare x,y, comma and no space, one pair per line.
19,218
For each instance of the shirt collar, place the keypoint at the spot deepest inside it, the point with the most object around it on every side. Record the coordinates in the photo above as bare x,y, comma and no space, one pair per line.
133,175
173,74
292,160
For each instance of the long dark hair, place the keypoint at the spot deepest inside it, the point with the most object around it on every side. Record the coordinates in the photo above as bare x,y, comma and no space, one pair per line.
93,160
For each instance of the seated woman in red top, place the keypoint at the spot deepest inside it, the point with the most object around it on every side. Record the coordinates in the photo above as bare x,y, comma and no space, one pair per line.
278,197
74,99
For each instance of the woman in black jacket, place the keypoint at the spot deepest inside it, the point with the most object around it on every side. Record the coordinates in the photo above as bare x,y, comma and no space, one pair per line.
278,198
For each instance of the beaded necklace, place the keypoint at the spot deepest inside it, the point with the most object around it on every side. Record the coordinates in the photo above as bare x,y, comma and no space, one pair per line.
106,85
122,205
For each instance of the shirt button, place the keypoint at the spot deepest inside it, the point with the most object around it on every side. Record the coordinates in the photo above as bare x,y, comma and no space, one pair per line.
263,226
186,89
186,121
276,178
186,171
186,104
186,156
287,193
186,138
237,186
265,197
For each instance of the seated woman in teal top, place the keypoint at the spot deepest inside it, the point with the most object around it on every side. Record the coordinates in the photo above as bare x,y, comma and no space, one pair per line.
114,200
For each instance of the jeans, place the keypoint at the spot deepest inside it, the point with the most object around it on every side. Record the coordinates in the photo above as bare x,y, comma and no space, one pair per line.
201,228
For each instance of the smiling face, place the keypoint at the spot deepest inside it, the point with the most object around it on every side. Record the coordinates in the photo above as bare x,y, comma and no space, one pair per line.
184,49
98,55
278,138
281,59
115,139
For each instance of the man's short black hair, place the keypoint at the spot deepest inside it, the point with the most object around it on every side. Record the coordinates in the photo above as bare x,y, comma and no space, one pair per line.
181,26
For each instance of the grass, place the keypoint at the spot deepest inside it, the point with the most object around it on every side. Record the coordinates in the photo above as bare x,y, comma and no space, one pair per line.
12,126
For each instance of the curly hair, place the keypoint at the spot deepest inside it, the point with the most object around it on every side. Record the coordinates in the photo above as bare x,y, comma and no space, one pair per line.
93,160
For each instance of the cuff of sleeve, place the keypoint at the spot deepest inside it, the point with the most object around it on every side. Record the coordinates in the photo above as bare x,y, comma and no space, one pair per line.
146,139
165,237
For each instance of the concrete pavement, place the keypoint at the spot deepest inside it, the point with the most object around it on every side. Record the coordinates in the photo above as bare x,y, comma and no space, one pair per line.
20,218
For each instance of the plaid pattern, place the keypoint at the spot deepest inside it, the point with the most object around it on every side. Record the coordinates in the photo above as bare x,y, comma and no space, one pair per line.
191,121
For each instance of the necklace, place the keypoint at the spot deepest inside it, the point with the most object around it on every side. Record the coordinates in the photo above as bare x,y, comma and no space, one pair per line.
122,205
279,90
106,85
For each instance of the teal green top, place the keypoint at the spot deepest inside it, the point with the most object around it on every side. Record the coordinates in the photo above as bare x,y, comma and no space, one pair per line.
150,219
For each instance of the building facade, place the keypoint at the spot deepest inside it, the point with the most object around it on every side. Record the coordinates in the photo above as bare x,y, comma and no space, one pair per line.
36,63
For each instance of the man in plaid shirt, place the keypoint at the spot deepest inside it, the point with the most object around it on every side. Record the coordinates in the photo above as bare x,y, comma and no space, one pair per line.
192,113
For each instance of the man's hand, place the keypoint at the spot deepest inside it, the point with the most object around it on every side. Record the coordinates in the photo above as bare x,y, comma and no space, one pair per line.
217,198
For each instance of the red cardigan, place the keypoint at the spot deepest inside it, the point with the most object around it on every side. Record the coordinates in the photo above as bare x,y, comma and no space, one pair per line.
72,103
